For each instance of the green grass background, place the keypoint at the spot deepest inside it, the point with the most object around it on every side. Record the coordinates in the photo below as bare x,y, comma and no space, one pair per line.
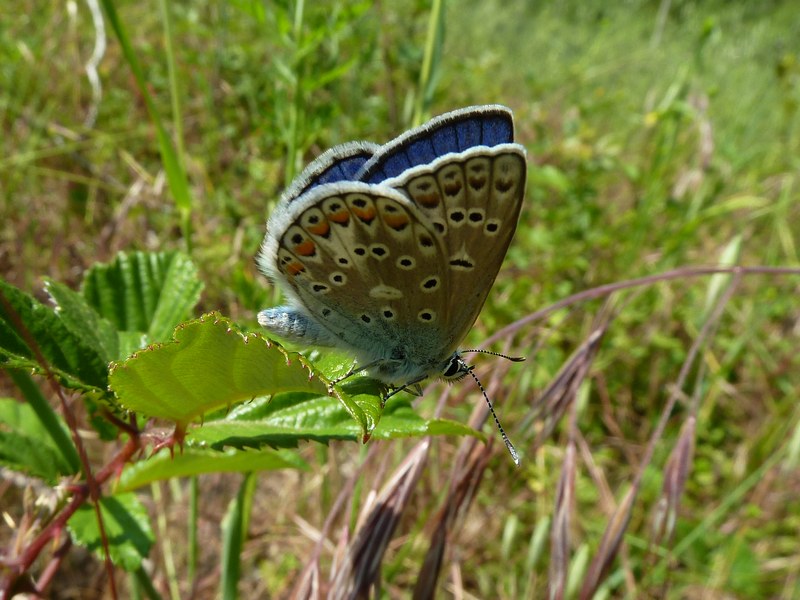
654,143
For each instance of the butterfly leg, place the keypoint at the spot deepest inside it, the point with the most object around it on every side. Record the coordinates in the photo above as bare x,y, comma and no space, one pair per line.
353,370
412,387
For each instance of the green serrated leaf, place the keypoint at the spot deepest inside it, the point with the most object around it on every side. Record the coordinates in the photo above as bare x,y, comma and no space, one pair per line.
196,461
180,293
127,529
207,366
290,418
144,292
83,321
298,417
79,364
402,422
361,396
362,399
26,445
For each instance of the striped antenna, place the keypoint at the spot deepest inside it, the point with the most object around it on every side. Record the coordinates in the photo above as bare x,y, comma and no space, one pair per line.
509,445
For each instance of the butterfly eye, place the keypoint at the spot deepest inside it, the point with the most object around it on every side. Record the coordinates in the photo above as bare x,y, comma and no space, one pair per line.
456,368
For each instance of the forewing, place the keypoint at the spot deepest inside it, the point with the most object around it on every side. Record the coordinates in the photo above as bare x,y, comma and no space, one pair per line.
452,132
472,200
365,264
340,163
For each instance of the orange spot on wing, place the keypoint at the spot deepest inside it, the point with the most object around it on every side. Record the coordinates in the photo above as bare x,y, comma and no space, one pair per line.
452,188
365,214
306,248
340,217
321,228
428,200
396,221
295,268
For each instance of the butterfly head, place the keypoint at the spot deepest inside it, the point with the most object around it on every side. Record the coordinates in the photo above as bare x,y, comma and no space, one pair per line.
455,368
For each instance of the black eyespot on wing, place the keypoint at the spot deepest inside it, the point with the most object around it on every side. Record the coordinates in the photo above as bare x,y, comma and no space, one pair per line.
461,263
430,284
426,316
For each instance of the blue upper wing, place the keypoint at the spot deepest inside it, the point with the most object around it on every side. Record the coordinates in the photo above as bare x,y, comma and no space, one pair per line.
340,163
451,132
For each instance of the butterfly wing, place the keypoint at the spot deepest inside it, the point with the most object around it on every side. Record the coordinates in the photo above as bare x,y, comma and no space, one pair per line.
473,200
340,163
363,263
390,252
451,132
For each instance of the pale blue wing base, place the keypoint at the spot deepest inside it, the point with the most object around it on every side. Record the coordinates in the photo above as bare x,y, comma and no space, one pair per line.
296,326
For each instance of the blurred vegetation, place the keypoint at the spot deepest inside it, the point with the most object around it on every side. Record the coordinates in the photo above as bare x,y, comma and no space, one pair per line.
660,135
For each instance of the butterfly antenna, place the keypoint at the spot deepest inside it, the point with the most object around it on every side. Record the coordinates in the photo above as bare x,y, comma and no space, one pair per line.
509,445
506,356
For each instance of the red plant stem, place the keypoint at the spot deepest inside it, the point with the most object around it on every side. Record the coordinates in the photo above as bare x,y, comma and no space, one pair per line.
51,569
54,528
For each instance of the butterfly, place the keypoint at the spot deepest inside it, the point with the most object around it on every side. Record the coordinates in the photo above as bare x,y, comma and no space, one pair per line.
389,252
